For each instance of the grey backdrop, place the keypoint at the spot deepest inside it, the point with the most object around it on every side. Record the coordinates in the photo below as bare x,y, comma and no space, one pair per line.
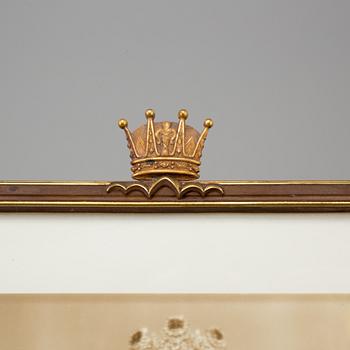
274,75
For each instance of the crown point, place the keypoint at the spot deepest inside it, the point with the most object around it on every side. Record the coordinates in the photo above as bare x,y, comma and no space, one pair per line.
208,123
183,114
149,113
123,123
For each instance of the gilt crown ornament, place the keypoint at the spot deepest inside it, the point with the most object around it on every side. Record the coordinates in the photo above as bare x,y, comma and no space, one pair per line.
166,148
176,335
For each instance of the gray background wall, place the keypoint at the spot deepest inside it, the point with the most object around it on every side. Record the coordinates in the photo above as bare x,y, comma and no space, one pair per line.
273,74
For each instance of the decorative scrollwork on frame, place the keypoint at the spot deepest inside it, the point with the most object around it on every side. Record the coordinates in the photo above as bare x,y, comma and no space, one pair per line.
180,189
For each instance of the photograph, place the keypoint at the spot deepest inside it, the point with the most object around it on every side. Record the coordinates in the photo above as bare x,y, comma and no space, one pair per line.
174,175
174,321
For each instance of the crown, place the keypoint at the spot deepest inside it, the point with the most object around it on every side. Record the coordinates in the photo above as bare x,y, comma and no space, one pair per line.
177,335
165,148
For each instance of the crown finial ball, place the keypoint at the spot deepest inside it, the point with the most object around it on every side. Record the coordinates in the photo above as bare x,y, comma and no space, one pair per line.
208,123
149,113
183,114
123,123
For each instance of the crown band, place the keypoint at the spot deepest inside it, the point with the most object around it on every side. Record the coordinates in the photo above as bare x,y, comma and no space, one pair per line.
150,174
169,159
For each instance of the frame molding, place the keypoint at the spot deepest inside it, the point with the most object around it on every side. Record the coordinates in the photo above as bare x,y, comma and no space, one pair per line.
233,196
